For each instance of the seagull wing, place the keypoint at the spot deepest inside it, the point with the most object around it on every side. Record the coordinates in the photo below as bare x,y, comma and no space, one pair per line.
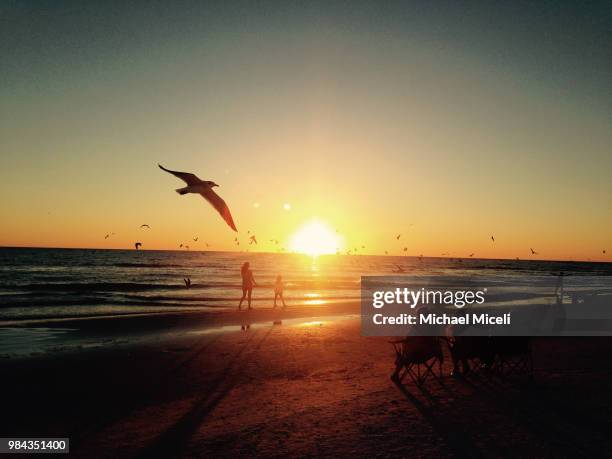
188,178
219,204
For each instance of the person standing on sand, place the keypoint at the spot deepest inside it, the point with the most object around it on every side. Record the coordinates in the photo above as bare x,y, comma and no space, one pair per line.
278,290
247,284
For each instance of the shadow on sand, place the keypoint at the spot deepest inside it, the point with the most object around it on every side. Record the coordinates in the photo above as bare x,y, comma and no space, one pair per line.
172,442
483,416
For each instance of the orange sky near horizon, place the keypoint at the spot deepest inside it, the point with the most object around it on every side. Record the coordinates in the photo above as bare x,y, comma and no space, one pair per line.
375,127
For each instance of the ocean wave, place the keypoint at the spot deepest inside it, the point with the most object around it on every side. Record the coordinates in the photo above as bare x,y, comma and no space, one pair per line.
96,287
149,265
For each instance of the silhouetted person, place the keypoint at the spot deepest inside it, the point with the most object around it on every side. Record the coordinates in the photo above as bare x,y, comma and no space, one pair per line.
187,282
278,290
247,284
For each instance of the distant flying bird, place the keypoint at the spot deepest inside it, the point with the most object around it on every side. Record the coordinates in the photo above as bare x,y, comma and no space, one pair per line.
207,245
405,249
195,239
533,252
187,247
181,246
398,236
187,282
145,226
363,246
471,255
107,236
252,240
137,245
492,238
205,188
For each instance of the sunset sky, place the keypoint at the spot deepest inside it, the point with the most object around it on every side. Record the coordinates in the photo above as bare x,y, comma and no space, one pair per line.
461,120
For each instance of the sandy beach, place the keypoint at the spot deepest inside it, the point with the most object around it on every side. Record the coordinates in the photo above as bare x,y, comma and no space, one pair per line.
307,386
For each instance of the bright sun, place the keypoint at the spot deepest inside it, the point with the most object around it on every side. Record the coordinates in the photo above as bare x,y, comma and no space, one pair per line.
315,238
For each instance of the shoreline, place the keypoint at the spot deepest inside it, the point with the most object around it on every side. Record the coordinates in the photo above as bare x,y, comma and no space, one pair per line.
47,338
226,315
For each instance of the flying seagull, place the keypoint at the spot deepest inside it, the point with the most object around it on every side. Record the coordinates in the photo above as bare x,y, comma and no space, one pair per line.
533,252
398,236
252,239
195,239
145,226
492,238
205,188
604,252
471,255
137,245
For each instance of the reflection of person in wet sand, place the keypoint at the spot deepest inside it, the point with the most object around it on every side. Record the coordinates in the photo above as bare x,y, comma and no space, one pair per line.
278,290
247,284
559,288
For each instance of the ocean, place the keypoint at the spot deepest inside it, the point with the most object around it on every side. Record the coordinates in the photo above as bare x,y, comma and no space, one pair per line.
66,283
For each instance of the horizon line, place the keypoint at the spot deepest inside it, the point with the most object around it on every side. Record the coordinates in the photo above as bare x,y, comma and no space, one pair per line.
305,254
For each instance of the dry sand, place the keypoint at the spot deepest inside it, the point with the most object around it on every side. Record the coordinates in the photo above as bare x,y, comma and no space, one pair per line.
308,388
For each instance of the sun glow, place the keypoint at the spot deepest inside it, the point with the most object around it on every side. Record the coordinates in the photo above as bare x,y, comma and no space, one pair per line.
315,238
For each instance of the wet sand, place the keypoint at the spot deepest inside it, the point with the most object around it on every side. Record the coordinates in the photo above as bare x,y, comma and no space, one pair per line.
311,387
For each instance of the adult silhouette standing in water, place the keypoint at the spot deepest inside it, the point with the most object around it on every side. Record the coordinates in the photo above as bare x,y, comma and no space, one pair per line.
247,284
